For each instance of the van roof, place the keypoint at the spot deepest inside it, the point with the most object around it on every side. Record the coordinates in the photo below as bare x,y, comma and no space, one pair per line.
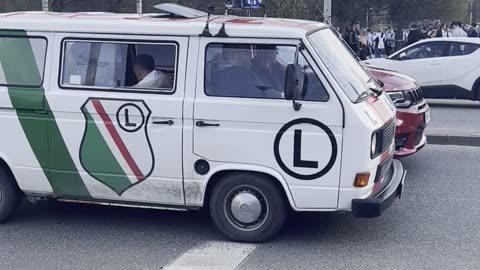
158,24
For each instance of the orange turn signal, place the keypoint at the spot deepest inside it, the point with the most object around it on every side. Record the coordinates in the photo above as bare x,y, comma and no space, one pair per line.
361,179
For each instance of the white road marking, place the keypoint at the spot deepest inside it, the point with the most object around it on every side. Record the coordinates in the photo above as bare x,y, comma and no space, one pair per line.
213,256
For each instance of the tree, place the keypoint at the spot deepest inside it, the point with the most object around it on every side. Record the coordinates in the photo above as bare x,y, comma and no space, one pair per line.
404,12
400,12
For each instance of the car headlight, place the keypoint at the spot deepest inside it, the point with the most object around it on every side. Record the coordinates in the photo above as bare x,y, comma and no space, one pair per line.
398,98
374,144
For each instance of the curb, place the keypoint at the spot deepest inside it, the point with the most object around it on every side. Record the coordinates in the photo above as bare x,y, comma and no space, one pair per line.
461,140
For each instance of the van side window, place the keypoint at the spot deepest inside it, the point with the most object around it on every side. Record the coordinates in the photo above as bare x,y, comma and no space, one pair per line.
119,65
22,61
255,71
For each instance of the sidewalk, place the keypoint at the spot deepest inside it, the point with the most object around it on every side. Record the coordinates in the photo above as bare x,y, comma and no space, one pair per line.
449,137
454,122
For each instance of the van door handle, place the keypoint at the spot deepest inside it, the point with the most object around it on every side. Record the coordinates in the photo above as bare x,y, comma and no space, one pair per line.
168,122
203,124
41,111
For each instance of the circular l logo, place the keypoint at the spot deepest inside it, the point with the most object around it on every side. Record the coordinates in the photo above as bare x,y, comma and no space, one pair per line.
300,163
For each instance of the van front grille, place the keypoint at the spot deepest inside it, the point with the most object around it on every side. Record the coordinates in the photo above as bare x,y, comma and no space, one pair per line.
387,136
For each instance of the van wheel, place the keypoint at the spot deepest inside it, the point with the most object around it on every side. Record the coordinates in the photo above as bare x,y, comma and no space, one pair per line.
9,195
248,207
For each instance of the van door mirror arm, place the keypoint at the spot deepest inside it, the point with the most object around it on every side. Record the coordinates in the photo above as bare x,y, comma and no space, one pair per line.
298,85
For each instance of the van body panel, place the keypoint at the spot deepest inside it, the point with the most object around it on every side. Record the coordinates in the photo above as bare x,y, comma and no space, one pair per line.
22,106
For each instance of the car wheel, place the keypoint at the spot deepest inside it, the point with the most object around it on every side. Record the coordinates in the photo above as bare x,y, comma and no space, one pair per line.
9,195
477,92
248,207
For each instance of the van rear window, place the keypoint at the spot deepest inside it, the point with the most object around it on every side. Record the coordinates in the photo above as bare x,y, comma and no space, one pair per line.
122,66
22,61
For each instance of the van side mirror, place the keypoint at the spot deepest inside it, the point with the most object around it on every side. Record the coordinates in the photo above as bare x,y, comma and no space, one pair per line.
403,56
294,84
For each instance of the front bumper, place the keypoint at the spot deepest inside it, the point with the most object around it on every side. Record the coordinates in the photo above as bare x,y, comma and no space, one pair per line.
410,130
378,202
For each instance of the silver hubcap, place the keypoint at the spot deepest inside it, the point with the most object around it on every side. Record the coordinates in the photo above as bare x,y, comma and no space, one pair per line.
246,207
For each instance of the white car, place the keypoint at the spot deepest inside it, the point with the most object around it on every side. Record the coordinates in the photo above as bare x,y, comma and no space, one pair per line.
443,67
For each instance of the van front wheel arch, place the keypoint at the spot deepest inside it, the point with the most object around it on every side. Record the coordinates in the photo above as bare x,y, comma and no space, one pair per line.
248,207
9,193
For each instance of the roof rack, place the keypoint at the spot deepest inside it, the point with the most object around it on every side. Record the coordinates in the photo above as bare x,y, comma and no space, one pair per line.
179,11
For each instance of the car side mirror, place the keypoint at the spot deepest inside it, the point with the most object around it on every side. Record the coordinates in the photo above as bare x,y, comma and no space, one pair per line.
403,56
294,84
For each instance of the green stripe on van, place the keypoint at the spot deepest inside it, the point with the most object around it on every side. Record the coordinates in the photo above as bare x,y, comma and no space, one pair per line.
41,130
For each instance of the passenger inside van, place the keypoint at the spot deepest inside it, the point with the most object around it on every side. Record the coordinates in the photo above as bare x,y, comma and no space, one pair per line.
147,75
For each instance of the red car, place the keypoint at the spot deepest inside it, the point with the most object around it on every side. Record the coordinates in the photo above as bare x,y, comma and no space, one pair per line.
413,112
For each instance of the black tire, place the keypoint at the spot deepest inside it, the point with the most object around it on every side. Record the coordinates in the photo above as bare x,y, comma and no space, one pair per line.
476,90
273,214
9,195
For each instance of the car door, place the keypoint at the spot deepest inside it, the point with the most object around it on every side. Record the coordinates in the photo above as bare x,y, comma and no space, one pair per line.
118,106
422,62
241,119
461,68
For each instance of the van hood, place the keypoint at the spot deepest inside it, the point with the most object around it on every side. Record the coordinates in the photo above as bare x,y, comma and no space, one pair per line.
393,81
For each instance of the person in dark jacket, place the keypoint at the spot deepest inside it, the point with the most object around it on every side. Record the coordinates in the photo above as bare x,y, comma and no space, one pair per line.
352,38
441,31
471,30
414,35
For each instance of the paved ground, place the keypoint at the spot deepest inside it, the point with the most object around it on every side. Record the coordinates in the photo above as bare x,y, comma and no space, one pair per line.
455,116
435,226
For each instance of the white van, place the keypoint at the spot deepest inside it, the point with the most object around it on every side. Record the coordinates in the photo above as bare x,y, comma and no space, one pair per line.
161,111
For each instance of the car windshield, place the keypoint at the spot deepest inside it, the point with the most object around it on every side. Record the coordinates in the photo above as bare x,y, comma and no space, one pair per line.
342,64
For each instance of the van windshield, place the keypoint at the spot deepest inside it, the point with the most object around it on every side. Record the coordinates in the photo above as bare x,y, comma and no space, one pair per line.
342,64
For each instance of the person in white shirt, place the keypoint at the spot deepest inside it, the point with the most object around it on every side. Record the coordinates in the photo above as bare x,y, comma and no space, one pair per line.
370,42
379,44
457,31
148,76
389,42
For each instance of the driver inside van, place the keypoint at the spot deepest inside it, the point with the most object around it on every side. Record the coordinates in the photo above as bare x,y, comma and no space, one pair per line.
238,78
267,68
148,76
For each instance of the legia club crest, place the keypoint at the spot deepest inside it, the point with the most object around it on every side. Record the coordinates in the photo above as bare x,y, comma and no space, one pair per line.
115,147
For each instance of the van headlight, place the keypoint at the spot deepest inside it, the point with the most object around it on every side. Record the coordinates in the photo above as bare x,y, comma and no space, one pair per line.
374,145
398,98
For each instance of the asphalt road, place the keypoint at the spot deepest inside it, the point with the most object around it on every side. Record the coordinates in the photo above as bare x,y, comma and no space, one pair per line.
434,226
455,117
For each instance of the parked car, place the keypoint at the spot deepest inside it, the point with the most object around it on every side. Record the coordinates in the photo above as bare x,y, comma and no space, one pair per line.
443,67
413,112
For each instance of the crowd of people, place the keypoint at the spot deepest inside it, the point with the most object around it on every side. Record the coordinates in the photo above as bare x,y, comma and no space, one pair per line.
455,29
368,45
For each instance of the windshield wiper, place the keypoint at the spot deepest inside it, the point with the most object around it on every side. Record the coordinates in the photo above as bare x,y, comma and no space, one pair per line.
377,91
363,96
